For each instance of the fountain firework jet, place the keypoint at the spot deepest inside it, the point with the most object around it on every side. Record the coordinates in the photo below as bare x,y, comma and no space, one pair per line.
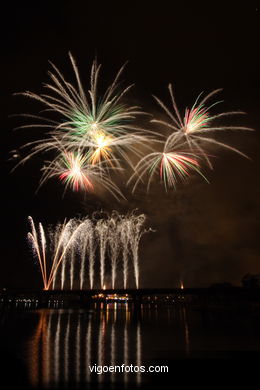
72,260
87,250
38,251
63,272
73,245
124,240
61,241
92,249
136,232
102,231
114,245
56,235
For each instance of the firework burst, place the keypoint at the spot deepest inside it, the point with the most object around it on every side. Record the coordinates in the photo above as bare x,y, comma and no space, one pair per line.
101,149
196,123
82,113
101,127
75,171
173,163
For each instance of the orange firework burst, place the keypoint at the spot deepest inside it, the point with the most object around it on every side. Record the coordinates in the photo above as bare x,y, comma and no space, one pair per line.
101,147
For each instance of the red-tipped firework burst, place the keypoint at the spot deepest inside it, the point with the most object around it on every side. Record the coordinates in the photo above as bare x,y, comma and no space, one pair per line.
173,163
196,123
74,176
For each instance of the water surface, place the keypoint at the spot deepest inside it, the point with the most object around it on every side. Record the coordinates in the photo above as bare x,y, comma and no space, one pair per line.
55,348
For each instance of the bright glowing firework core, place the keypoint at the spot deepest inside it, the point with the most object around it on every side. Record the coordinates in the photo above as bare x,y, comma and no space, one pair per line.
101,143
94,126
74,174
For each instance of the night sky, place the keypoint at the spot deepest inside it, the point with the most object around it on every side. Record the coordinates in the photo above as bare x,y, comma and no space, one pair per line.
204,233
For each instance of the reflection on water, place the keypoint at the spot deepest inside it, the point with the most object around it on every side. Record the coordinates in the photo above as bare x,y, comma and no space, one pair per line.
59,346
66,343
186,329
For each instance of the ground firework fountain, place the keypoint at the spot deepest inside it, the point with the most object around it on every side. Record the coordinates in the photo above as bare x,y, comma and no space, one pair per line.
75,247
68,233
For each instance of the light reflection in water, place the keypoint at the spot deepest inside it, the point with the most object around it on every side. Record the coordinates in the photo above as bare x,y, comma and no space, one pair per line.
186,330
101,339
66,342
88,339
126,343
56,362
59,345
113,345
66,349
78,352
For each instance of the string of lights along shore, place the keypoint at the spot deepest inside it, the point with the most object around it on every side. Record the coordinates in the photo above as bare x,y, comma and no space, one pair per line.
89,138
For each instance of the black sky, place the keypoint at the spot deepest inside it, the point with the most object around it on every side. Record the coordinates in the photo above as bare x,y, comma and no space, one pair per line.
204,233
